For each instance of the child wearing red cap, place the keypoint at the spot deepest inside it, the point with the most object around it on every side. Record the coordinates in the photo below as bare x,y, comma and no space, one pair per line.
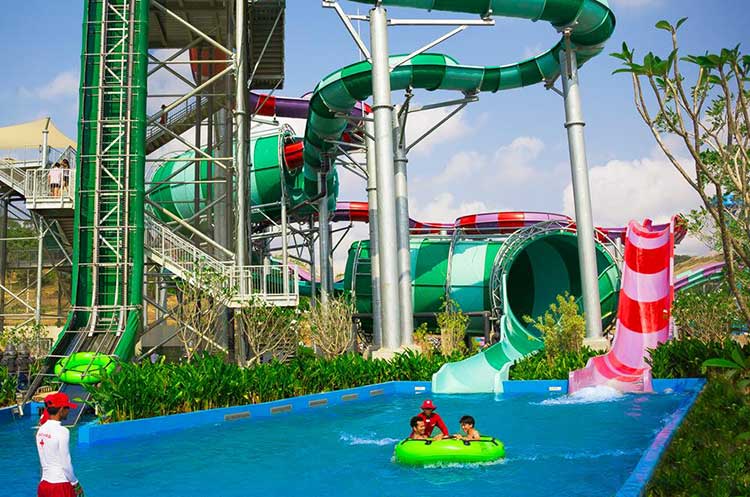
432,419
52,440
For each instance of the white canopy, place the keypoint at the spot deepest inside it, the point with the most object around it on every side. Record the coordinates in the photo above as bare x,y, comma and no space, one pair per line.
29,135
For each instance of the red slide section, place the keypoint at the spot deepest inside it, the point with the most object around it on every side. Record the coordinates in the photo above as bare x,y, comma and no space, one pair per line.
643,314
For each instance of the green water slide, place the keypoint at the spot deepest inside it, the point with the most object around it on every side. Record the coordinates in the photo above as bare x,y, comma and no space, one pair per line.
107,279
269,174
526,279
513,277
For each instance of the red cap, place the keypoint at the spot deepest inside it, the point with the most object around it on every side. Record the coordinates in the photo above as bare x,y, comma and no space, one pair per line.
58,400
427,404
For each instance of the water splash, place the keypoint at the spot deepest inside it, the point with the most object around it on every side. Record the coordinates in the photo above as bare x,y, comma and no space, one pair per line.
578,455
589,395
355,440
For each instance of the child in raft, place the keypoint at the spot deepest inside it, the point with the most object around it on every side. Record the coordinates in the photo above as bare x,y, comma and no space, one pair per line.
431,420
467,425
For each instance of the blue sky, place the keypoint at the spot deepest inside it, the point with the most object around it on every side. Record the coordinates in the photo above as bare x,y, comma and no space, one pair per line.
508,151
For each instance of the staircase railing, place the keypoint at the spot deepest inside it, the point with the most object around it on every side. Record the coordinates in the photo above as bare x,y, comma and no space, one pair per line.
264,283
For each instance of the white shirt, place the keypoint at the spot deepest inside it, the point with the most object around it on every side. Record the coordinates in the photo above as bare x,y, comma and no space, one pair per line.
52,441
55,175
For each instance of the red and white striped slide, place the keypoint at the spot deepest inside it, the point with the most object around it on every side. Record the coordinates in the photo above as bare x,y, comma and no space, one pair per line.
643,314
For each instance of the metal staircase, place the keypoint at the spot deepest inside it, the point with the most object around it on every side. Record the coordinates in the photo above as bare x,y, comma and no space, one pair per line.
238,286
180,120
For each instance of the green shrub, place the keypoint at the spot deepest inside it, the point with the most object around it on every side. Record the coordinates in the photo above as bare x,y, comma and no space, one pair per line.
453,325
684,358
707,456
8,385
146,390
546,366
706,315
563,327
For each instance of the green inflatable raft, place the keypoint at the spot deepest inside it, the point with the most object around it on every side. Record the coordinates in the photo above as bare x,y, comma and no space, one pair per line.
422,452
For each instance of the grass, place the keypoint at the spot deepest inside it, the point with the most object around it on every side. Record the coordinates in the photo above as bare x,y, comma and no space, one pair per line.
707,457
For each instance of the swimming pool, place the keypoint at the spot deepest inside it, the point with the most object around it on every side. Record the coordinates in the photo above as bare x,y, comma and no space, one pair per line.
573,447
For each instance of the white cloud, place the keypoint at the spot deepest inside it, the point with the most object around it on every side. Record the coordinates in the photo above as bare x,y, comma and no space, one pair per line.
64,85
638,189
419,123
444,208
513,163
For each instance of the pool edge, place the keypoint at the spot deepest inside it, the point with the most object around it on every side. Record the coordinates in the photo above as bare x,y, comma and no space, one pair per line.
93,433
635,485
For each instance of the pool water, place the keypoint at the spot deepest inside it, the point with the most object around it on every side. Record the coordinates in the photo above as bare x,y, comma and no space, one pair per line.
562,446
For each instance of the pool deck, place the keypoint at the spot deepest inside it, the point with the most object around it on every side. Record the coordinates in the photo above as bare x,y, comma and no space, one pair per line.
93,433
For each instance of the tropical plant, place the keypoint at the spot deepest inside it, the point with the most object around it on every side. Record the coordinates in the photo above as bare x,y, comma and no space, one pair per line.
737,367
268,330
708,455
706,314
331,327
8,384
452,324
684,358
710,116
33,335
146,390
201,296
563,327
542,366
423,341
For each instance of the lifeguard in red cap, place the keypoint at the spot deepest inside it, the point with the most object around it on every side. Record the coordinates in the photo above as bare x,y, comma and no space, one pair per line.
432,419
52,443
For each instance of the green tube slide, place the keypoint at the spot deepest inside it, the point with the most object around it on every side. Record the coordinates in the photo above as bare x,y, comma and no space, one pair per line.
591,23
535,272
175,193
532,276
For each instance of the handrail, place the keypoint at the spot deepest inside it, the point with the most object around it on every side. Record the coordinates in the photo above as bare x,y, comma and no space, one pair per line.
238,284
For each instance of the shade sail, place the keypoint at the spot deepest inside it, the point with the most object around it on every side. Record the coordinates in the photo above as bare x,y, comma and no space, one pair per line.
30,135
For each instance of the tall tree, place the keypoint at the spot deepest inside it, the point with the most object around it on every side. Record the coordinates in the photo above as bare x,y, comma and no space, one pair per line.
708,111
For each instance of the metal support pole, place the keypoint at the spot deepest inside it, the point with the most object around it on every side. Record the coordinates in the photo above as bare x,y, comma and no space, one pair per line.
581,193
197,165
4,202
242,133
224,210
372,202
284,241
402,221
386,194
324,241
39,269
45,144
313,281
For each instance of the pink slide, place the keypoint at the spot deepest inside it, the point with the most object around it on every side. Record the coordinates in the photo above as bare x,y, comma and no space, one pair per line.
643,314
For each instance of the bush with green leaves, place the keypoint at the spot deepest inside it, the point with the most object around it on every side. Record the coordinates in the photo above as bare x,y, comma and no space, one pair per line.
736,368
452,324
145,390
8,385
563,327
684,358
708,455
545,366
706,314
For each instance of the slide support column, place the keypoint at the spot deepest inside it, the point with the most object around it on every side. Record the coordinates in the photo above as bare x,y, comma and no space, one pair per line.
581,191
404,253
386,194
372,202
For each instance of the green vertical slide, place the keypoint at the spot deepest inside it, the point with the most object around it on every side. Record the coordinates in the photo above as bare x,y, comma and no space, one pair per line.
107,279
